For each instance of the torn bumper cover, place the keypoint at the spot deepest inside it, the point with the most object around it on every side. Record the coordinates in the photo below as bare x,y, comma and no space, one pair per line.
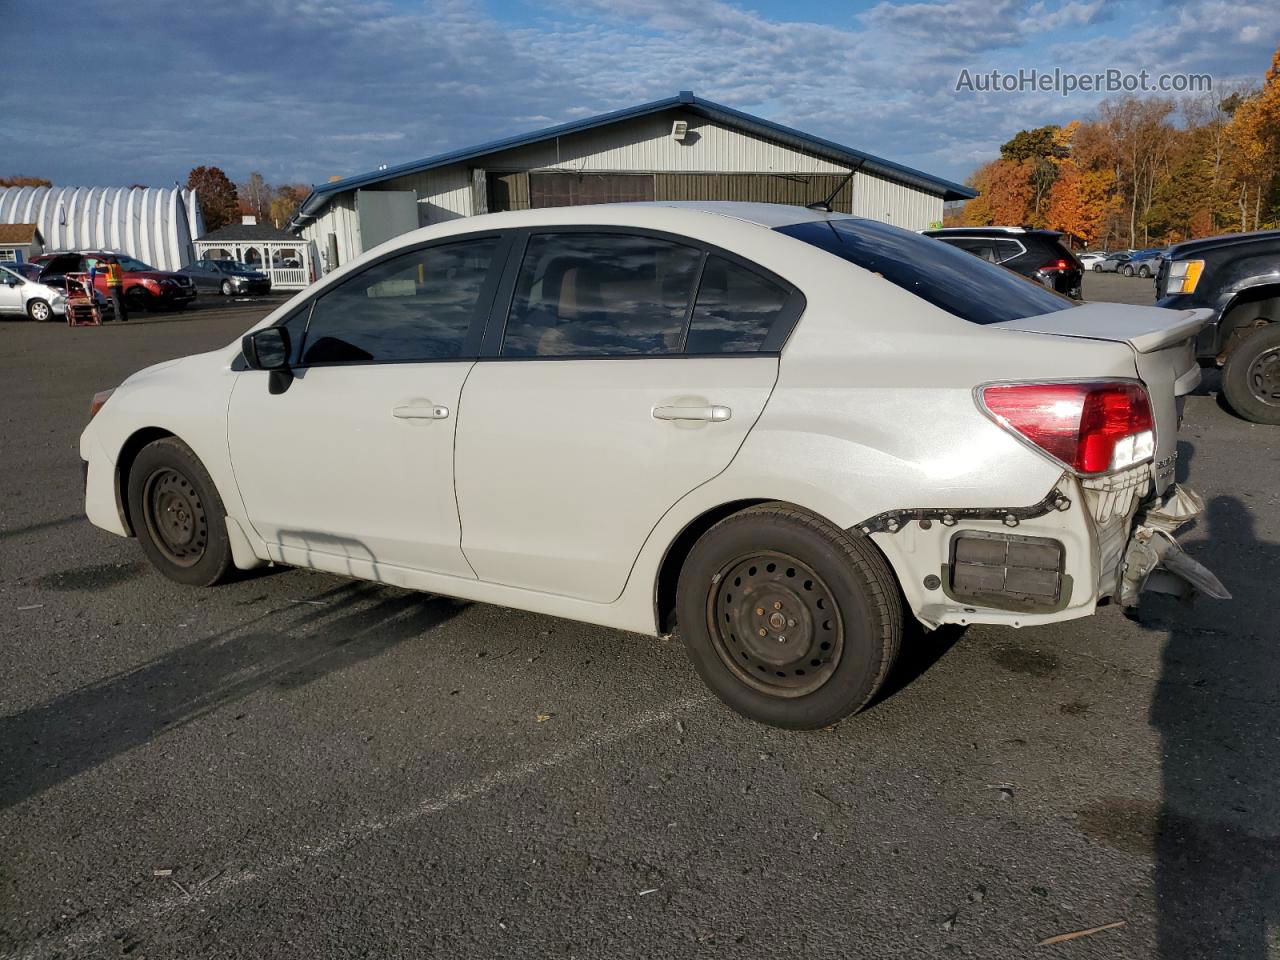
1153,559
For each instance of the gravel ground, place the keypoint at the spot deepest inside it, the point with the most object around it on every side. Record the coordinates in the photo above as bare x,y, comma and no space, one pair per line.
296,765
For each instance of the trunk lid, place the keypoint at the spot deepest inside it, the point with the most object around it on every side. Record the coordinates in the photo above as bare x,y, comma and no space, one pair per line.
1163,345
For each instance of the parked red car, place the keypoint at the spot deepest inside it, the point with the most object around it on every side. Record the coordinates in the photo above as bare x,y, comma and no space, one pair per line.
145,288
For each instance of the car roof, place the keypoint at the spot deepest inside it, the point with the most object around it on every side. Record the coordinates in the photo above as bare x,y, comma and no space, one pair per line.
992,232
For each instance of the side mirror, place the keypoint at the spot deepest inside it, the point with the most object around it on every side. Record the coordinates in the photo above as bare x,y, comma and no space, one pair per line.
267,349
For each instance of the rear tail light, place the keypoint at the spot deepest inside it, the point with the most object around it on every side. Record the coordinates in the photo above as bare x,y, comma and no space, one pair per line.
1054,266
1091,427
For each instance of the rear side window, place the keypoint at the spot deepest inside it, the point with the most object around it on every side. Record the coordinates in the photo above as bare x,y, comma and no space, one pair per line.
945,276
735,309
600,294
416,306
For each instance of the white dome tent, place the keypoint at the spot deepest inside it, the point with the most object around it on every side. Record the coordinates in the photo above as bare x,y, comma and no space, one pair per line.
154,224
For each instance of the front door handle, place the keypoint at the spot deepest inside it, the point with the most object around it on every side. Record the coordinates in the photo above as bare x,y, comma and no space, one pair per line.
421,411
714,413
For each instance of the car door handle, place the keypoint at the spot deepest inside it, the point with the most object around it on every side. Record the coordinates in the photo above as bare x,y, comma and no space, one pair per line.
420,411
715,412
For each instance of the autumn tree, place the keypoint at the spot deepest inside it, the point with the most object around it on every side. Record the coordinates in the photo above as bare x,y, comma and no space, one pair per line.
286,202
217,194
1081,202
25,182
1254,133
255,197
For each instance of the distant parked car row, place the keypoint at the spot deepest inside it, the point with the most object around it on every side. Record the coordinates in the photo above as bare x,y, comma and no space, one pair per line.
1130,263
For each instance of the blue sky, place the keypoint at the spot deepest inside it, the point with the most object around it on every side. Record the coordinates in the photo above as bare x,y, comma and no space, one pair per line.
141,91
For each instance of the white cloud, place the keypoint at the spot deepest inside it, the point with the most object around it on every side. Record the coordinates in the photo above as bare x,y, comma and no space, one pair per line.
326,87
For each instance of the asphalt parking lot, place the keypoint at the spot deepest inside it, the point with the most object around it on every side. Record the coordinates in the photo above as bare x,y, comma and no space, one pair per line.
296,765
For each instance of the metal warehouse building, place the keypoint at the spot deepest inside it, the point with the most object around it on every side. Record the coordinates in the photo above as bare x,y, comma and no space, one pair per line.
680,148
156,225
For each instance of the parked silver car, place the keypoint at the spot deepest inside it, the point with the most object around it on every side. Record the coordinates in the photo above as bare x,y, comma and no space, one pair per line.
1113,263
19,294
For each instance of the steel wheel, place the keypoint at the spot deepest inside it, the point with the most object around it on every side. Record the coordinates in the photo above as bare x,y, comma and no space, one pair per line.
1264,377
775,624
175,516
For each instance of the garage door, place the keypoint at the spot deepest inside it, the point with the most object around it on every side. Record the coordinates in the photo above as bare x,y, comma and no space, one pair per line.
522,191
794,188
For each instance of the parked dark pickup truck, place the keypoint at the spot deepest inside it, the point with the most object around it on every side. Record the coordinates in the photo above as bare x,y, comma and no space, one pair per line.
1238,277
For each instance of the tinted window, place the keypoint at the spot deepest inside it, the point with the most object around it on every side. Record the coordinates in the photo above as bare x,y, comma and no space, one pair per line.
943,275
1007,250
735,309
417,306
600,294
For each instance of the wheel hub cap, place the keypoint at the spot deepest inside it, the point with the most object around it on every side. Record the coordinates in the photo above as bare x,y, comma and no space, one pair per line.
1264,377
175,517
775,624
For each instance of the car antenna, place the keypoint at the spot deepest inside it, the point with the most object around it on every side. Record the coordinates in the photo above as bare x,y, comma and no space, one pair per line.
825,205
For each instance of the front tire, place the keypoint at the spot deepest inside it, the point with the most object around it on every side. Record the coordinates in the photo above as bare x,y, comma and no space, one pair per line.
1128,271
39,311
137,300
177,514
226,288
788,619
1251,377
1144,273
1097,268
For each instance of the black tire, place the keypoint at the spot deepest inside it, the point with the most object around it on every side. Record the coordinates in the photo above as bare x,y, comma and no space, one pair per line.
137,300
226,288
39,310
177,514
1128,271
1097,268
1251,377
1144,273
834,593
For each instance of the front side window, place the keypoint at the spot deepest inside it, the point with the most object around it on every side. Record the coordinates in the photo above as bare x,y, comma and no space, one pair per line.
735,309
601,295
416,306
937,272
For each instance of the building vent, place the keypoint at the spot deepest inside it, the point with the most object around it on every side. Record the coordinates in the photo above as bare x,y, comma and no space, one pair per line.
679,130
248,220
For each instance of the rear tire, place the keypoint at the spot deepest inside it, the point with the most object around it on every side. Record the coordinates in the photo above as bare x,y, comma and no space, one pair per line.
1144,273
1097,268
177,514
39,311
827,602
1251,377
1128,271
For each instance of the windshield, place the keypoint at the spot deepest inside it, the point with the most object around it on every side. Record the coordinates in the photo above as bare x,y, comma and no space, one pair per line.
947,277
131,265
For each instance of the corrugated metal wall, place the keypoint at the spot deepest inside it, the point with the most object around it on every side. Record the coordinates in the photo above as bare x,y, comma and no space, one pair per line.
339,217
645,144
879,199
156,225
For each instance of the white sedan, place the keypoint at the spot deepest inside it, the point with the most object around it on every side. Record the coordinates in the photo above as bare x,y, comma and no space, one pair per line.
773,430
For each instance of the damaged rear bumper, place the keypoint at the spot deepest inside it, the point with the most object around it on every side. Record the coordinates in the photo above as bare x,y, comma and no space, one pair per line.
1155,561
1086,542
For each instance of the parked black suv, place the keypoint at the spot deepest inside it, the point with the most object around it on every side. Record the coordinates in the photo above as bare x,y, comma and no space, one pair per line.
1038,254
1238,277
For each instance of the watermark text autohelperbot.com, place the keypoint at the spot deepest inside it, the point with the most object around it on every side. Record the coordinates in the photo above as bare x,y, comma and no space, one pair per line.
1065,83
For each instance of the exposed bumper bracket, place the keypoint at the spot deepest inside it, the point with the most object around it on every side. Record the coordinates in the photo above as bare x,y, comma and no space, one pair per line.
891,521
1154,560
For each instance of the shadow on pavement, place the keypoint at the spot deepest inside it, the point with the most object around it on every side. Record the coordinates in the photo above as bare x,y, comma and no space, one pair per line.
1217,834
43,746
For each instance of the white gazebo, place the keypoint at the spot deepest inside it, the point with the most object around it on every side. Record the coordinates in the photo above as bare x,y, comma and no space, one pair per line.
286,259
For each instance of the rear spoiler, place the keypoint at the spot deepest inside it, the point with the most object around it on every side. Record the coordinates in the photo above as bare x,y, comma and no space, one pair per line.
1146,329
